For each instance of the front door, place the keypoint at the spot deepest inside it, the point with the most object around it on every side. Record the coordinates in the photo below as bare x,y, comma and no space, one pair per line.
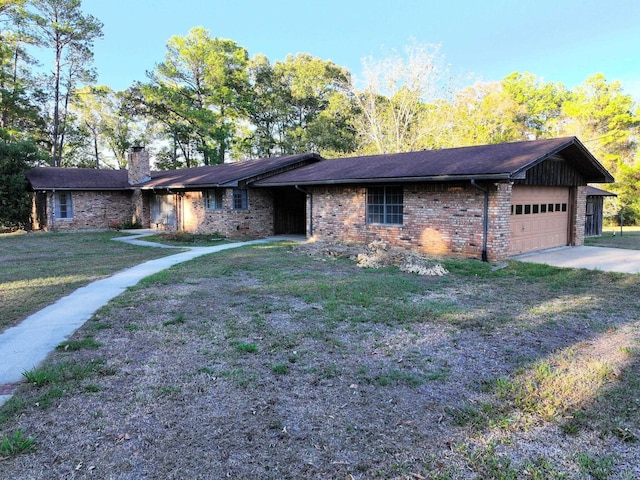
290,211
163,211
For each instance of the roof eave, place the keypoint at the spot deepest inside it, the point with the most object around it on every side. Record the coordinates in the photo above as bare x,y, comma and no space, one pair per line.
172,186
84,189
431,178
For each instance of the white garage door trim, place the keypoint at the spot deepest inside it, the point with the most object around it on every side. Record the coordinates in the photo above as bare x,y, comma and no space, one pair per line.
539,218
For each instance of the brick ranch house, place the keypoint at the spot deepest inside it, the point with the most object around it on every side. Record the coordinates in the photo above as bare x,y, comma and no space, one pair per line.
489,202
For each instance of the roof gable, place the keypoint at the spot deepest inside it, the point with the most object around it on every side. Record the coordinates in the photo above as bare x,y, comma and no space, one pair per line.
498,161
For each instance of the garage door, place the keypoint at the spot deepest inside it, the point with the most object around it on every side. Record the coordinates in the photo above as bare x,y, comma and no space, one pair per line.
539,218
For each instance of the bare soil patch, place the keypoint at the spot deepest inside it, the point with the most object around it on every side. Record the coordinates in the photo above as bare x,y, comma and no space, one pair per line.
281,362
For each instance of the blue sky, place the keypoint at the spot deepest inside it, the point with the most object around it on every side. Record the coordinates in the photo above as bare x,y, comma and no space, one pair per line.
557,40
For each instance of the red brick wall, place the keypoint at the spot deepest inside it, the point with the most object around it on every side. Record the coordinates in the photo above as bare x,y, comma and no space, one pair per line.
91,210
439,219
499,231
580,211
255,222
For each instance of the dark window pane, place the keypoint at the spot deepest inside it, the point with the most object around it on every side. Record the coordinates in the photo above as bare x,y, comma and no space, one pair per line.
240,199
385,205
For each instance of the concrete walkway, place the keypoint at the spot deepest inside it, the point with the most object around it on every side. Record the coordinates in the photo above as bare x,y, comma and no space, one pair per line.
27,344
592,258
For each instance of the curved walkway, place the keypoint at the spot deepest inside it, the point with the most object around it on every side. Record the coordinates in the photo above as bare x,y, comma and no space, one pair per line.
27,344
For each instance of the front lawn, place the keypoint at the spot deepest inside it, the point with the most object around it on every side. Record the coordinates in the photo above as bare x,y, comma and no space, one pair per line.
38,268
612,237
268,362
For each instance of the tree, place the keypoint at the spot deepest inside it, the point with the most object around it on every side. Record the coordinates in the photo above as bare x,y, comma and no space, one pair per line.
627,187
267,110
20,118
484,113
541,104
60,26
313,87
15,206
602,116
302,104
199,92
395,103
104,115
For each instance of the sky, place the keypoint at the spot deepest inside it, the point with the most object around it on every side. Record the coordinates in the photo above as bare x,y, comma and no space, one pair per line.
482,40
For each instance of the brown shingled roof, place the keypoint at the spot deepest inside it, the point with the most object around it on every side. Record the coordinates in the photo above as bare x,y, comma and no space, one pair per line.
227,174
598,192
499,161
57,178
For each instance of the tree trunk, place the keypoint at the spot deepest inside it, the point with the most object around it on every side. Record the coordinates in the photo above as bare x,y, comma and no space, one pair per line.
95,146
56,108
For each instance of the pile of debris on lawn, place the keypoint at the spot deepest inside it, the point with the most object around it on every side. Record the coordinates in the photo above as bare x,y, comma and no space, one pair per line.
377,254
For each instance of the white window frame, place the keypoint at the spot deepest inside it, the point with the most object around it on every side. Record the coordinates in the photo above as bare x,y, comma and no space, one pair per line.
63,205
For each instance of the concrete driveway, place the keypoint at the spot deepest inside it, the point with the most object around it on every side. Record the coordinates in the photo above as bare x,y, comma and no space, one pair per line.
592,258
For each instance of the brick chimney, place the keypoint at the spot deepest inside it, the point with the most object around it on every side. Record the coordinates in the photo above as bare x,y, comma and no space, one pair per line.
139,169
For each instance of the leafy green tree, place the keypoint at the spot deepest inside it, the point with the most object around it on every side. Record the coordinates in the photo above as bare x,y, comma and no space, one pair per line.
199,92
484,113
602,116
541,104
302,104
627,187
60,25
20,118
317,102
105,116
267,110
15,205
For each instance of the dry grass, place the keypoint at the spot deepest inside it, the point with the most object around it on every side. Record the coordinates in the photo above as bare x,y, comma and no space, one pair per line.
38,268
266,362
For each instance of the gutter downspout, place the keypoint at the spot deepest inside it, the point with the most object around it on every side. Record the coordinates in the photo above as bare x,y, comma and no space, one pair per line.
485,219
310,208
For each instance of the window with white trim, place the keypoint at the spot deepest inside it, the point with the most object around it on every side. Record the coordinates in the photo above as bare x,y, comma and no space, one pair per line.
213,199
64,205
385,205
240,199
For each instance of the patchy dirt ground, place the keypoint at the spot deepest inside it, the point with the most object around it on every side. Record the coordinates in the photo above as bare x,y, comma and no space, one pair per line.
240,368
